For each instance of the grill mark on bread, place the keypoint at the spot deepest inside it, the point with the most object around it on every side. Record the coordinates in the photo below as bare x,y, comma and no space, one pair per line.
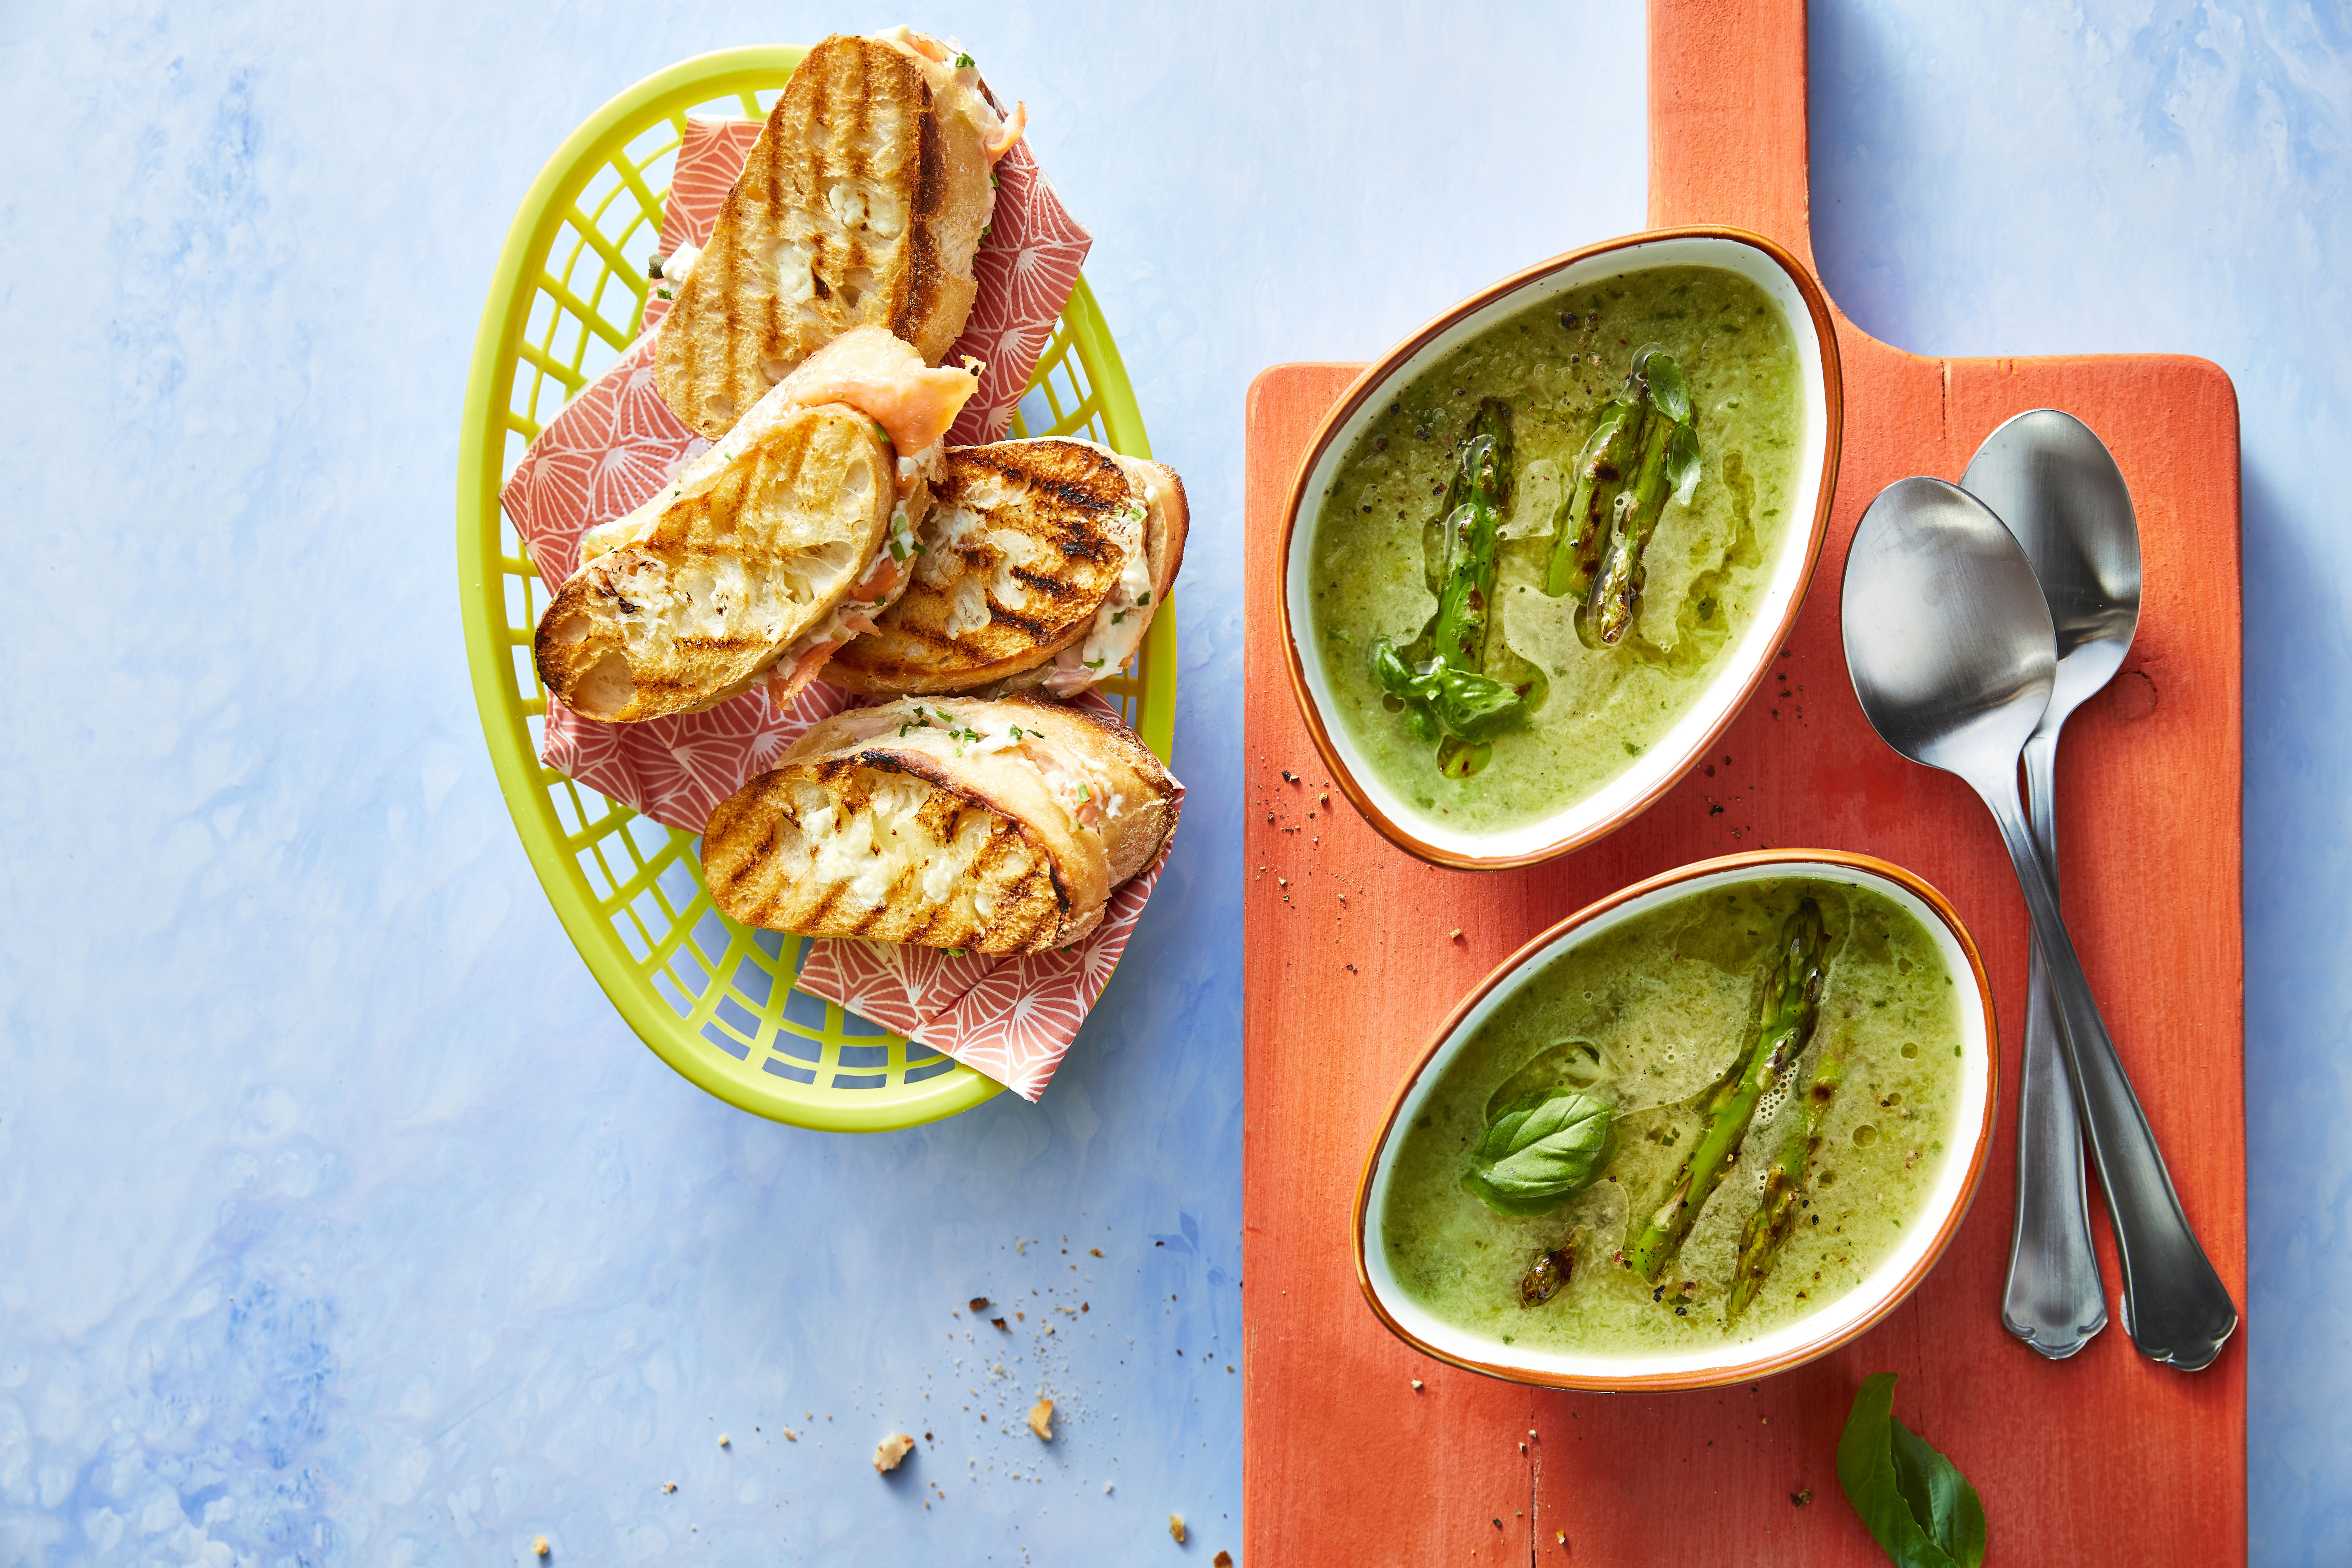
978,827
1029,626
777,508
1067,499
918,294
820,916
1006,860
1038,582
854,112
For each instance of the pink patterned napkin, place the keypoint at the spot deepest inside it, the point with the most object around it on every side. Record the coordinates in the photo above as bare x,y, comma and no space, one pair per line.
616,442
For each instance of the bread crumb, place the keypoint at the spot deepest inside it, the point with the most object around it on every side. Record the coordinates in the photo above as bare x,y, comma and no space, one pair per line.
1416,1386
1455,935
723,1439
1222,1559
791,1436
979,1303
890,1450
1176,1528
538,1545
1093,1252
1000,1324
668,1486
1041,1420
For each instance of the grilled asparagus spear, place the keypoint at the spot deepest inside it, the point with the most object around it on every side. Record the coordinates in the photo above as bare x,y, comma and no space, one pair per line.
1441,677
1784,1022
1665,462
1580,523
1768,1229
1474,500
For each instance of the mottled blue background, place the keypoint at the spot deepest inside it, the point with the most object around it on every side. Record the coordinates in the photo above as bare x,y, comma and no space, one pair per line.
341,1221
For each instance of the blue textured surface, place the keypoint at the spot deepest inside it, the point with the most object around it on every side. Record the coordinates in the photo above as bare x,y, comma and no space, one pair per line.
341,1221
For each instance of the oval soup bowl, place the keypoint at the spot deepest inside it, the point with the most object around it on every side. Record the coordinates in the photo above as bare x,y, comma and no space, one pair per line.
1793,1344
1739,667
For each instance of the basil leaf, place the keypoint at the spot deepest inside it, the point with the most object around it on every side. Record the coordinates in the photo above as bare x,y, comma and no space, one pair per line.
1475,707
1459,702
1668,390
1915,1502
1541,1150
1389,669
1683,463
1940,1496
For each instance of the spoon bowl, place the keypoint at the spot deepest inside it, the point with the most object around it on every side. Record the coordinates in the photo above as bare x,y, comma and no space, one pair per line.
1947,637
2055,485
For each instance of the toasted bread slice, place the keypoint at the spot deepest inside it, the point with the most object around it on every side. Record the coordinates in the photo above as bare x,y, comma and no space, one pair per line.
1042,559
724,573
1001,827
861,204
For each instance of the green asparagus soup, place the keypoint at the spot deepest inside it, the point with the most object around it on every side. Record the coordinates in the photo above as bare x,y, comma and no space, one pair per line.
1533,558
1701,1124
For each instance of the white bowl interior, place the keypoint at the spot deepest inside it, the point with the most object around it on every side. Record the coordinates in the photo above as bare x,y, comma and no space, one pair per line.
1670,757
1950,1192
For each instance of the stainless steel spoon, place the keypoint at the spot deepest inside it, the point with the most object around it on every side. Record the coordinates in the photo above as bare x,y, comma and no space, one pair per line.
1954,657
2058,489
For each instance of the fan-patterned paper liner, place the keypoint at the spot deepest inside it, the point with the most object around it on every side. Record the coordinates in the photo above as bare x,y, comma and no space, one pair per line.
616,442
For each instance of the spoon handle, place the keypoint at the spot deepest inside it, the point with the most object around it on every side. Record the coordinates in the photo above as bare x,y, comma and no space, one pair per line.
2176,1309
2054,1299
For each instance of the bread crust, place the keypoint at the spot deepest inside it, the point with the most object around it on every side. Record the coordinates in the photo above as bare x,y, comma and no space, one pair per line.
861,204
879,823
1170,523
703,604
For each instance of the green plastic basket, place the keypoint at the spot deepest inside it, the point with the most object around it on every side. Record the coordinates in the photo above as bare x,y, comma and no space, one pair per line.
714,999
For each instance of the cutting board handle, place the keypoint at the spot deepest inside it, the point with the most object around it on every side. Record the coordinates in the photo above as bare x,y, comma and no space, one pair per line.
1727,117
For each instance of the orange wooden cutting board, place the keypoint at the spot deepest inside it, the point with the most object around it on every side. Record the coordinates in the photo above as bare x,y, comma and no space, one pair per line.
2103,1458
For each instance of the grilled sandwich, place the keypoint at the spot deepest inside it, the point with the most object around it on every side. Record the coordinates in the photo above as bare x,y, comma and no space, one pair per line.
1041,562
862,203
764,554
998,826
